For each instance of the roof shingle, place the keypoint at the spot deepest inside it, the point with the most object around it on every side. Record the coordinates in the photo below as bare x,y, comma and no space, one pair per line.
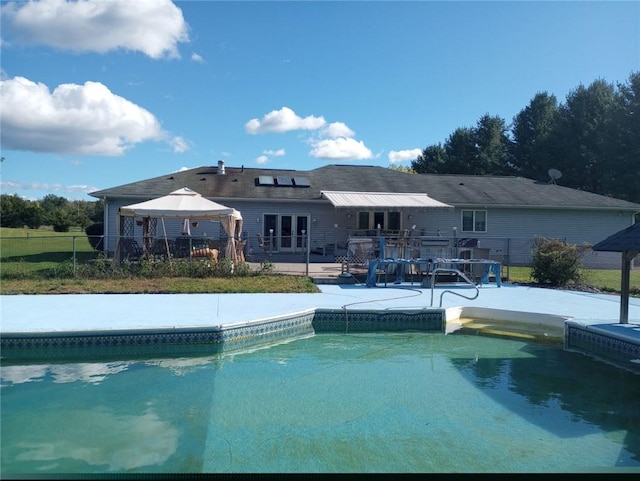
458,190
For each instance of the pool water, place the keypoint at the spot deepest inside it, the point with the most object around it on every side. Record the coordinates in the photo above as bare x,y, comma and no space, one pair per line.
371,402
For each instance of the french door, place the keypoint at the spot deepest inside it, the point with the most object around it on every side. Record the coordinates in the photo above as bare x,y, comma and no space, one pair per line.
287,231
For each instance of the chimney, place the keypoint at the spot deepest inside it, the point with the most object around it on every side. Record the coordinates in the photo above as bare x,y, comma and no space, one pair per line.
221,167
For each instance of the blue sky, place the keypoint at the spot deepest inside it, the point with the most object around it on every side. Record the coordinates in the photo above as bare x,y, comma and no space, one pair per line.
97,94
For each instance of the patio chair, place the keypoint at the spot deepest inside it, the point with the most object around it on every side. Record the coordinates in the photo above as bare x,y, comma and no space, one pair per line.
264,244
130,249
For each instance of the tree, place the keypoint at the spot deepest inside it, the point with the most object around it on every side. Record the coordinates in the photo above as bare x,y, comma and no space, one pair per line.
12,210
60,220
433,160
33,215
531,151
402,168
97,211
584,136
625,153
492,144
461,152
57,212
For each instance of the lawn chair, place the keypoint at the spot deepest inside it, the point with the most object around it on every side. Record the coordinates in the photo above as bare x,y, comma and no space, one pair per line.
264,244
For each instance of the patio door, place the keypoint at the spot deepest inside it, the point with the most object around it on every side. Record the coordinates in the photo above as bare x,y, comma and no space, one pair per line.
293,229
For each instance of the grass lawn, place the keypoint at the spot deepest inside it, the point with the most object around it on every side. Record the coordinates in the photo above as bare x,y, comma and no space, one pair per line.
30,251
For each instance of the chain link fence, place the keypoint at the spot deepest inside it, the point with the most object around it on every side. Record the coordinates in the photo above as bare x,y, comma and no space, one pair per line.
38,255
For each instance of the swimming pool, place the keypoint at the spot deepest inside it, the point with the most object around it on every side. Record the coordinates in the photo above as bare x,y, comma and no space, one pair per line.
361,402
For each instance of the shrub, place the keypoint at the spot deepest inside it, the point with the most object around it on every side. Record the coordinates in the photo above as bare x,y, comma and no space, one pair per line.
94,234
555,262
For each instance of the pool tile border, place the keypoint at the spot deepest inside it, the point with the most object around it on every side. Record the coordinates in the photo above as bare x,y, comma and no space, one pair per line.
213,340
616,344
607,342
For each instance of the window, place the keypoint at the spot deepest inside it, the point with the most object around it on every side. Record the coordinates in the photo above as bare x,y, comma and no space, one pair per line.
393,221
371,220
363,220
474,221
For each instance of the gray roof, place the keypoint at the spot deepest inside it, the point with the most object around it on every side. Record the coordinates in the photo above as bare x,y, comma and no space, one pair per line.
458,190
625,240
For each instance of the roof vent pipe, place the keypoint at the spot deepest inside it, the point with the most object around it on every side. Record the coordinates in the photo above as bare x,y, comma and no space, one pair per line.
221,167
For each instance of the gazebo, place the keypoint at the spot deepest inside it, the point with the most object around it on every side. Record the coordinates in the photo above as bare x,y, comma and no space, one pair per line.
626,241
187,204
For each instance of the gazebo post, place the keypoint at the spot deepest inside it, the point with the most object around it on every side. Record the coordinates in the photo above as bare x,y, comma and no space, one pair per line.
627,242
625,285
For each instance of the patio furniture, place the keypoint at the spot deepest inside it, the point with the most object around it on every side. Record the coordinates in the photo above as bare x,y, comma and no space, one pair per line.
130,249
240,250
264,244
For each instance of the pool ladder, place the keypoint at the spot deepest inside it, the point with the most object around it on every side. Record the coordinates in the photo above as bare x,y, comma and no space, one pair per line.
451,271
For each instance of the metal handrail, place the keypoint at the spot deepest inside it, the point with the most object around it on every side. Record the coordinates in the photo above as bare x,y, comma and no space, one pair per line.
452,271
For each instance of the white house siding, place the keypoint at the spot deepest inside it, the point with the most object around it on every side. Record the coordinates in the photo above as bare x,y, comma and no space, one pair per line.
322,219
576,227
509,237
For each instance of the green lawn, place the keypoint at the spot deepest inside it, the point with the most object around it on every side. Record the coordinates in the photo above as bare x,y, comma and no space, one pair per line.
24,252
606,280
29,250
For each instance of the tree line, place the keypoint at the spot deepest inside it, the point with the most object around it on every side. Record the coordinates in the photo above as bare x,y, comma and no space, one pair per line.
592,139
51,210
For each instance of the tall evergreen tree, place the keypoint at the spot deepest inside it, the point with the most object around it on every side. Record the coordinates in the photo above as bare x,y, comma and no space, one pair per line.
492,144
461,152
584,136
433,160
624,181
531,151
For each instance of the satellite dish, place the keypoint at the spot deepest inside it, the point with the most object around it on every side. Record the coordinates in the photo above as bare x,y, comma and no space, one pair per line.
554,174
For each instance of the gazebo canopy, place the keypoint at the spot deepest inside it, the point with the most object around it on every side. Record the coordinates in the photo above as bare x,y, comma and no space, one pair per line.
180,204
187,204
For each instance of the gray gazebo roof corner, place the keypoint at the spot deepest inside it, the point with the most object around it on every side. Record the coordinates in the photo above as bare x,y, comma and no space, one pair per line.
626,241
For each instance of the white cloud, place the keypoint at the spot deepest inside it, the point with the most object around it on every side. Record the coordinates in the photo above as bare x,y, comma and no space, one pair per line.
263,159
179,145
11,186
403,155
283,120
197,58
153,27
73,119
274,153
332,142
337,129
340,149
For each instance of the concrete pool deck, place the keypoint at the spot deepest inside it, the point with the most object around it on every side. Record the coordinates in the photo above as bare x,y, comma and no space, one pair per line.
33,325
109,312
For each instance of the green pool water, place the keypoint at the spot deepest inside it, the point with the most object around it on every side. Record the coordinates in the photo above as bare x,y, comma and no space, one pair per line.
387,402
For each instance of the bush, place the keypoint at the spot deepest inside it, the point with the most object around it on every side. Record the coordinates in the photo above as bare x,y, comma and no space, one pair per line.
95,233
555,262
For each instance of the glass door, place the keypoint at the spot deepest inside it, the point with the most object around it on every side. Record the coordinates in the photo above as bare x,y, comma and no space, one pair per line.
286,233
302,232
292,231
270,230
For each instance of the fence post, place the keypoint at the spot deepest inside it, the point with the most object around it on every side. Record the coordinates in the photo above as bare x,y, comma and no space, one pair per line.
508,256
74,256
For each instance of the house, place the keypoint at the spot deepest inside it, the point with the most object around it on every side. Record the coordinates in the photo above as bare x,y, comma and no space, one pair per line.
494,217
